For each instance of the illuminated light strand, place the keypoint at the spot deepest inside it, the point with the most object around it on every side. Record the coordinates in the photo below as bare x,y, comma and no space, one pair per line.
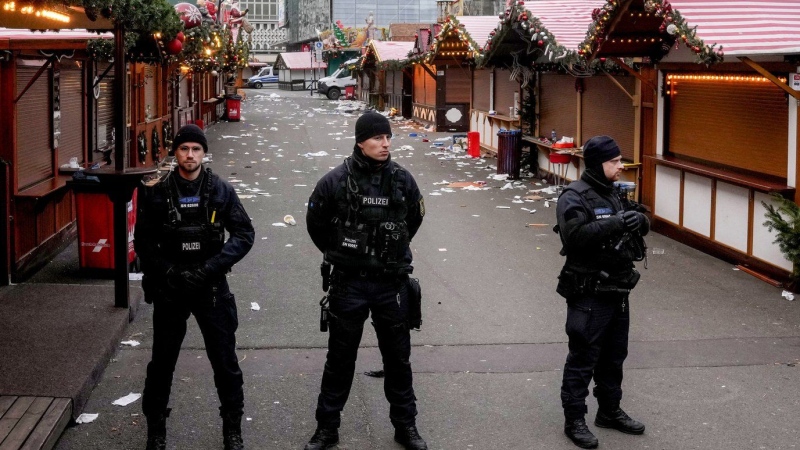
52,15
740,78
9,6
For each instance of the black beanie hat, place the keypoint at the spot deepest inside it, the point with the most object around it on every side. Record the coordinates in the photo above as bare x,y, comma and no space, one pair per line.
190,133
598,150
371,124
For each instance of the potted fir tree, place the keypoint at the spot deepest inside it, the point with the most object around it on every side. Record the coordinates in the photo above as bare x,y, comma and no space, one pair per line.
783,216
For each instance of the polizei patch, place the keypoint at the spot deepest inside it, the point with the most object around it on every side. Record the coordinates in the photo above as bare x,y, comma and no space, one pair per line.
375,201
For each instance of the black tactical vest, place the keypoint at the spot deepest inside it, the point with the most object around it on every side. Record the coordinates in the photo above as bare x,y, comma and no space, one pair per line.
370,231
193,231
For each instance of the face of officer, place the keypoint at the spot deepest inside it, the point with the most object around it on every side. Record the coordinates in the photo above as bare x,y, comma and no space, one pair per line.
190,157
376,147
613,168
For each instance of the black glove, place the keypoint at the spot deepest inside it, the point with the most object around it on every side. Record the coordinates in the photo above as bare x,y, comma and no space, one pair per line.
194,278
632,220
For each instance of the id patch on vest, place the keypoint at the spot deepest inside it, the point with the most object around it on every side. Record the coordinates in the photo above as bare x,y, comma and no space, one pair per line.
189,202
603,213
375,201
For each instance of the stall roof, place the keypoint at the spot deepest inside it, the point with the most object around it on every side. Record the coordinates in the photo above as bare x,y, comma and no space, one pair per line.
391,51
742,28
11,39
478,27
567,20
298,61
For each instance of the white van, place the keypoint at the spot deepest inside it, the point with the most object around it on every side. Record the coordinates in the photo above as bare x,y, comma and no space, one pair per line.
332,86
264,76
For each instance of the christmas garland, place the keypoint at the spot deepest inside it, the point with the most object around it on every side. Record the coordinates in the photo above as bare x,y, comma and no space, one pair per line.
539,38
452,24
674,24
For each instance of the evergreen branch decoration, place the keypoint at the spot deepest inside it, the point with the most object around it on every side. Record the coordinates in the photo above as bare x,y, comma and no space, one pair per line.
785,221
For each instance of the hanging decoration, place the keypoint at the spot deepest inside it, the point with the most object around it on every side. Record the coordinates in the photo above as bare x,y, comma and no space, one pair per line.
155,146
141,146
189,15
539,41
673,26
453,40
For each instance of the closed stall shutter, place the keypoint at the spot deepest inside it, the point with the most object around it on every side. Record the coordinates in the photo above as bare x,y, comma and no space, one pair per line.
558,107
457,80
71,90
419,83
184,92
105,109
430,87
388,82
34,155
748,120
480,90
607,110
504,90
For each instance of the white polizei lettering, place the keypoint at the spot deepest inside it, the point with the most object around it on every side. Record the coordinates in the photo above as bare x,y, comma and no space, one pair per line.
375,201
190,205
350,243
190,246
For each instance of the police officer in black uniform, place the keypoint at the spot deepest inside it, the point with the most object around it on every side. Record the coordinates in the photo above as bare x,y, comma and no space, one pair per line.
362,215
601,234
180,240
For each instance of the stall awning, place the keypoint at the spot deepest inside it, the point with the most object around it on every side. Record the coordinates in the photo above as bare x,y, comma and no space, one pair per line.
390,51
745,28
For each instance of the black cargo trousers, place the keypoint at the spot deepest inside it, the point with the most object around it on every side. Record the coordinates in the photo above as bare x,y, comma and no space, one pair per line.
353,296
597,327
217,319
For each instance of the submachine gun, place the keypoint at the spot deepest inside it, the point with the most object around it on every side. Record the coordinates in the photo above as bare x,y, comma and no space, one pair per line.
631,242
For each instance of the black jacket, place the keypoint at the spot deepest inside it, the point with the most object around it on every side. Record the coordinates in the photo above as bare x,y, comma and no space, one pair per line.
590,228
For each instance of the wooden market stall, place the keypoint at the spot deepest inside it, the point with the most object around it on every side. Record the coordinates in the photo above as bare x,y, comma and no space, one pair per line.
297,71
384,62
718,136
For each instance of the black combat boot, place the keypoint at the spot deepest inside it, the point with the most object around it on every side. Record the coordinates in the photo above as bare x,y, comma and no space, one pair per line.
157,431
618,420
579,433
409,437
323,438
232,431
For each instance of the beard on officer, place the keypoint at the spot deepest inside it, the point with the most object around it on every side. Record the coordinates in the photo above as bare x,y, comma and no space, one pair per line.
180,239
601,232
362,216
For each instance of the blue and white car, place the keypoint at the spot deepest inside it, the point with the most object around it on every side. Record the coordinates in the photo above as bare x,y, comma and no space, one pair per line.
264,76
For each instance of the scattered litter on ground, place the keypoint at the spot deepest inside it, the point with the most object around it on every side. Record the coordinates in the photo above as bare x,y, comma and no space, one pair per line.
787,295
658,251
537,225
279,224
130,343
503,207
320,153
254,306
126,400
133,276
374,373
289,219
531,211
86,418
